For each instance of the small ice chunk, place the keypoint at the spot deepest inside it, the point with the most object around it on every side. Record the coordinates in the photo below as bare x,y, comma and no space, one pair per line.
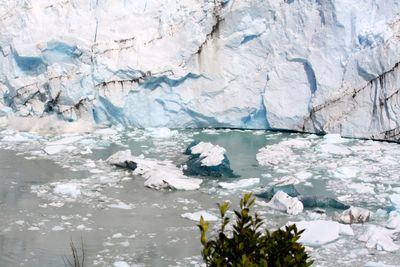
353,215
395,201
106,131
377,264
33,228
117,235
334,139
161,132
274,154
303,175
195,216
121,264
120,205
286,180
379,238
393,221
55,149
362,188
68,189
334,149
346,172
57,228
65,141
283,202
20,222
20,137
240,184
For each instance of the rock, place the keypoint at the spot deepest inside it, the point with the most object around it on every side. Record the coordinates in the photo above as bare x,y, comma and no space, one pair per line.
283,202
379,238
206,159
353,215
288,189
320,232
321,202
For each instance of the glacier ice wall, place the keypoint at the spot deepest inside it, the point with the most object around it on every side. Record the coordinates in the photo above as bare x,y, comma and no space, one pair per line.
324,66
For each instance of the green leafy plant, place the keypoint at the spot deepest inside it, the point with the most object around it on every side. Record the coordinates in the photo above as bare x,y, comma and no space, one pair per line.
249,244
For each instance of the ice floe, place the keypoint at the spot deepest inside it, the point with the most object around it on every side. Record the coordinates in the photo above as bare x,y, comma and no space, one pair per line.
195,216
379,238
320,232
68,189
158,174
240,184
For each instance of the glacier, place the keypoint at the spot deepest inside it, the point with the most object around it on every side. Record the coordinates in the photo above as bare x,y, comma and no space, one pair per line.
318,66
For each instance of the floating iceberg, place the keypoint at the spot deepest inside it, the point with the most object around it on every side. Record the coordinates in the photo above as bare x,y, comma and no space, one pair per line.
158,174
206,159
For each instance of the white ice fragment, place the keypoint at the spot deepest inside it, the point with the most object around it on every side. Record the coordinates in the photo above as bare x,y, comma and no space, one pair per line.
353,215
117,235
345,229
125,243
393,221
303,175
286,180
121,264
33,228
55,204
57,228
395,201
161,132
240,184
195,216
334,149
274,154
81,227
334,139
55,149
318,233
377,264
346,172
379,238
68,189
158,174
20,137
362,188
66,140
212,155
106,131
120,205
283,202
20,222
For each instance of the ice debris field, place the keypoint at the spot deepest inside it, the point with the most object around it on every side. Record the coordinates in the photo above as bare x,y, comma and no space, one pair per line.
135,196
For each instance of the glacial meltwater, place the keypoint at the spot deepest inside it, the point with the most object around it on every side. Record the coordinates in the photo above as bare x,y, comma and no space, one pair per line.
58,189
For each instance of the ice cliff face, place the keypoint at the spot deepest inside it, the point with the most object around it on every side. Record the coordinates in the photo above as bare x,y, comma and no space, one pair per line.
308,65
